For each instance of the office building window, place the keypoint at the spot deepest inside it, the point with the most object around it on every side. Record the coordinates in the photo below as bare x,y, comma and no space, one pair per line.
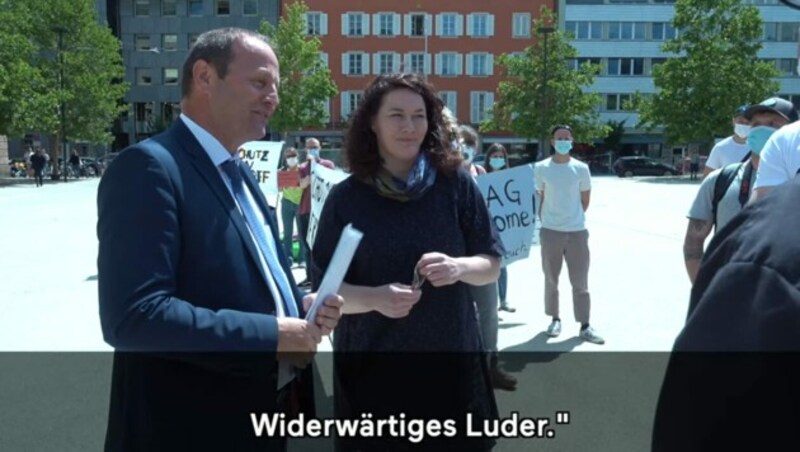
141,8
663,31
170,76
788,32
448,64
482,103
142,42
249,7
195,7
192,38
354,64
169,43
144,76
521,27
585,30
169,7
223,7
417,24
617,102
143,111
655,62
479,64
626,66
626,30
575,63
385,63
787,66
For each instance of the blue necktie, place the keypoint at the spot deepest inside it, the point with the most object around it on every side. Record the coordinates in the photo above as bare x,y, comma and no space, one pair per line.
231,168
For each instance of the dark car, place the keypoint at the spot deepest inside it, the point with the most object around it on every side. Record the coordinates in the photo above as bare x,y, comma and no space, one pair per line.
643,166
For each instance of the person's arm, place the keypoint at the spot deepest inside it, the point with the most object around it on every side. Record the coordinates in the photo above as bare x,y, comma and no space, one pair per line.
585,195
392,300
442,270
696,234
759,193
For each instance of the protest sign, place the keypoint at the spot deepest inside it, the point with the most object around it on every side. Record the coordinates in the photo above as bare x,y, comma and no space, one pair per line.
322,180
263,157
510,197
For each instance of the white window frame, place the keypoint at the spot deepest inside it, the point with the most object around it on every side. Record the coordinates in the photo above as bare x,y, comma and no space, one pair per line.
458,24
348,63
480,25
391,18
142,73
356,16
426,62
176,78
164,46
521,25
457,64
379,65
349,103
323,23
409,24
138,44
483,70
450,99
481,103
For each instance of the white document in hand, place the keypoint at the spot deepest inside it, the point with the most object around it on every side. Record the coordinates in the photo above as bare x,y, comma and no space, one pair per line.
340,262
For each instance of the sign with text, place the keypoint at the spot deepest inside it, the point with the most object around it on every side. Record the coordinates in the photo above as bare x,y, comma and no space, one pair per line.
288,179
510,196
322,180
263,158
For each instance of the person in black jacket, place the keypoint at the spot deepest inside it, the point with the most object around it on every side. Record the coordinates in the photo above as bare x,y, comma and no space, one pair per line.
38,162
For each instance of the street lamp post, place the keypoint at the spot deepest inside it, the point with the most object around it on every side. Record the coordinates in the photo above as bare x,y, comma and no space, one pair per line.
61,30
544,140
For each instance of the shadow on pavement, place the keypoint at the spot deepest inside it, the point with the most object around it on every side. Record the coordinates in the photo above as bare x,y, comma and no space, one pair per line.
679,180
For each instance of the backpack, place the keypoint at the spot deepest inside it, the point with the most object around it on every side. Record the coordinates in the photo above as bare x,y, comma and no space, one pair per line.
721,185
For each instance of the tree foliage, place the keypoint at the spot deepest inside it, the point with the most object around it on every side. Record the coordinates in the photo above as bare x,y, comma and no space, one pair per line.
714,69
90,61
521,99
305,80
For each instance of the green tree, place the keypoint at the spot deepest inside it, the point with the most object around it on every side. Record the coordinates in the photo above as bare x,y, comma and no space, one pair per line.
616,130
714,69
305,80
521,97
89,60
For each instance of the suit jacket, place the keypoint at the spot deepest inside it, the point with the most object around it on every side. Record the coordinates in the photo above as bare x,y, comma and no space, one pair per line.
184,302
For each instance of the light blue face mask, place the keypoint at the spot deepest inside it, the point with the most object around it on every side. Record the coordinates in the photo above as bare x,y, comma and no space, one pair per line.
497,163
313,152
563,146
758,137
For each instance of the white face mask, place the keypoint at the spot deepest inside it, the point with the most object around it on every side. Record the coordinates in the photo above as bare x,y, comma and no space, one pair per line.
469,154
741,130
291,161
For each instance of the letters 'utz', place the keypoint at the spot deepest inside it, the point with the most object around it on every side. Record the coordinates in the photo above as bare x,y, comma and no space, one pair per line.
506,193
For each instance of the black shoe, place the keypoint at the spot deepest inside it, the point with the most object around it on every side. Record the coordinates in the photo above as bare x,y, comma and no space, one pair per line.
506,308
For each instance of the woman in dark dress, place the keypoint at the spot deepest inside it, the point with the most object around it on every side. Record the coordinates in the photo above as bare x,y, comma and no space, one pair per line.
419,211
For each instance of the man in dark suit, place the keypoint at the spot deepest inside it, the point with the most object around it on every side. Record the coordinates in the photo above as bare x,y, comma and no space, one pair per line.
195,296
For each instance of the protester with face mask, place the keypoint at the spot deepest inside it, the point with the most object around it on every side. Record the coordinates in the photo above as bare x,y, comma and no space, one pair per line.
733,149
290,203
564,184
706,212
468,144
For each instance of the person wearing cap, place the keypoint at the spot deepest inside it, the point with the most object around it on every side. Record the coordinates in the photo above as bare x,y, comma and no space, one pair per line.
780,159
732,149
764,118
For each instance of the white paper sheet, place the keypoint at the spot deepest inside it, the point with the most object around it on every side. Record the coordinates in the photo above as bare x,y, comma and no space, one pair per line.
340,262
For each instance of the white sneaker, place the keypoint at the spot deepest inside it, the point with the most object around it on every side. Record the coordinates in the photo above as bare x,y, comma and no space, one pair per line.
554,329
590,335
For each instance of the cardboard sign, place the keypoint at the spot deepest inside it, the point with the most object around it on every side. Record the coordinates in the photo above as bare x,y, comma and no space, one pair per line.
510,196
263,158
322,180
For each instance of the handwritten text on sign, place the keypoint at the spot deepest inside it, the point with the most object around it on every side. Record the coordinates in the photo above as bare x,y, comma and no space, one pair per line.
510,197
322,180
263,158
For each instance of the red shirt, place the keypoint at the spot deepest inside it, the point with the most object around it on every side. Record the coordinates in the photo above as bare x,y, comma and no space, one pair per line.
305,171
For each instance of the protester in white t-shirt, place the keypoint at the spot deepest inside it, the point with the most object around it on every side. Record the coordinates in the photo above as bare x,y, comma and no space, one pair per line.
732,149
565,184
780,160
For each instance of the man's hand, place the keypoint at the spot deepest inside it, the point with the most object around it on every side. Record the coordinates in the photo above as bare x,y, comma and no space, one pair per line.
439,269
328,314
396,300
297,341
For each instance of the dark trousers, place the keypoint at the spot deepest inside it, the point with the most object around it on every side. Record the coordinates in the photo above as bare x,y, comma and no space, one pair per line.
38,175
288,215
302,225
502,286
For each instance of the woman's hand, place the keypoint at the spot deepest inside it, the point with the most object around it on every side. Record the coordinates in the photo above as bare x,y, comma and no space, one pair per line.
396,300
440,269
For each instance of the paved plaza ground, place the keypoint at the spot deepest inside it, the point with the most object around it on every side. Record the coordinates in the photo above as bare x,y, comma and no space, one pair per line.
638,284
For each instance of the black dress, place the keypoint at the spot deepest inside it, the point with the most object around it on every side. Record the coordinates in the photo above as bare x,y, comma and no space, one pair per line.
427,365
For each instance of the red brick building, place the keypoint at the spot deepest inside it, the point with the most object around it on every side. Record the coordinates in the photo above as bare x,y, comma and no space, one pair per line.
454,42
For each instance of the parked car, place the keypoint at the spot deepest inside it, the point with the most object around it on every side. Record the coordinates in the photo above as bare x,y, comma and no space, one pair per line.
642,166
